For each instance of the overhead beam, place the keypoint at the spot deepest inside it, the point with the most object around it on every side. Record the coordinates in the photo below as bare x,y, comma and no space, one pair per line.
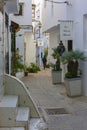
58,2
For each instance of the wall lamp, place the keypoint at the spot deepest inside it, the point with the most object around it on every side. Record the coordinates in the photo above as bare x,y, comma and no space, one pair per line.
58,2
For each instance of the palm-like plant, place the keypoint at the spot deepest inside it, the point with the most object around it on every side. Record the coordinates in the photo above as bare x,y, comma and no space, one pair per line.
72,59
56,56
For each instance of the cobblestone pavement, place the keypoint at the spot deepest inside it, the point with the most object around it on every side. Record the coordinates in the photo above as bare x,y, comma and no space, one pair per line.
53,98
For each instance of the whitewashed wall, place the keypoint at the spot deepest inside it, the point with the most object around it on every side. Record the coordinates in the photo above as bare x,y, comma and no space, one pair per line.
26,18
50,20
51,16
30,48
20,43
54,41
78,12
1,57
22,39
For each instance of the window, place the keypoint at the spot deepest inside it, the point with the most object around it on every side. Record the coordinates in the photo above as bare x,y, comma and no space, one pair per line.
20,9
33,11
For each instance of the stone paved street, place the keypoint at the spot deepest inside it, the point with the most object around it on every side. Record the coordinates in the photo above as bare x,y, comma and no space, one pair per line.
52,97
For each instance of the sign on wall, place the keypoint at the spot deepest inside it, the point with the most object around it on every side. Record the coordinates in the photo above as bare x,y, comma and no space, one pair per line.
40,42
66,30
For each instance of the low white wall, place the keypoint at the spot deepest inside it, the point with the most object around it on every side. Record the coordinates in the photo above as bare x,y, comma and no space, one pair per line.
30,48
19,75
14,86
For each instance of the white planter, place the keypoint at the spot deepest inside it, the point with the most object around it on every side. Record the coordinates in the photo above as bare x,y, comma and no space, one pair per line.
19,75
73,86
56,77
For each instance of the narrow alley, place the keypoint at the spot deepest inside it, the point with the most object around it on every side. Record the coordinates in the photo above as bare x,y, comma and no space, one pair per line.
51,35
59,111
44,93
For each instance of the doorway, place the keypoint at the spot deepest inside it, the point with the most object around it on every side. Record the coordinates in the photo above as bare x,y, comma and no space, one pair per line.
70,45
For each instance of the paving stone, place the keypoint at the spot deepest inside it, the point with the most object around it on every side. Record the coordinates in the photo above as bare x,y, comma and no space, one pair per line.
46,95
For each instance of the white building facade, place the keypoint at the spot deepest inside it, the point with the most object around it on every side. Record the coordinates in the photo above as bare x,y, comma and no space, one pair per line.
40,38
73,13
13,113
78,12
24,37
4,40
52,13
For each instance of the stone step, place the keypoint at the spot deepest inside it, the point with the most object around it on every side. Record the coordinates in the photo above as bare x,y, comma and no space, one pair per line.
13,128
33,123
8,110
22,118
23,114
11,115
9,101
37,124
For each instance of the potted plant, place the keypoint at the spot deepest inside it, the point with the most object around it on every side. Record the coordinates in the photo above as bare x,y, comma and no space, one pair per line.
25,71
73,74
33,68
17,65
56,69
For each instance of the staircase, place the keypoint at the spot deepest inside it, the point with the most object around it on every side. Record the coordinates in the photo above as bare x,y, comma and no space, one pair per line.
11,115
17,108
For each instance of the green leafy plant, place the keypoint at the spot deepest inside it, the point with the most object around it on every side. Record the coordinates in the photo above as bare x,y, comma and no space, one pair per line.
33,68
56,66
17,64
25,68
72,59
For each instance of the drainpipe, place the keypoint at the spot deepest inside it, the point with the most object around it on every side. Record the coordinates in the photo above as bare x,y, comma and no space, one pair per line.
9,29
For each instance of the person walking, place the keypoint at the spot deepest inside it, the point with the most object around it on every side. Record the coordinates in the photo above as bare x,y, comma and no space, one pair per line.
44,61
